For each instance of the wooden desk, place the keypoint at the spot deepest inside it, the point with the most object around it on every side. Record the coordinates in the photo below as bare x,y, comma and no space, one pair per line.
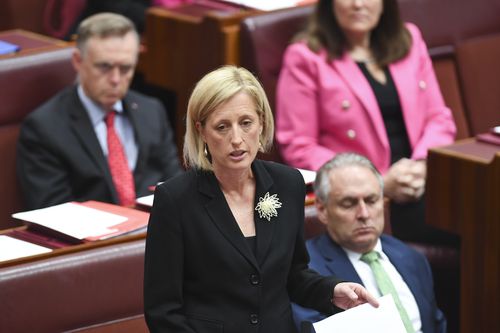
136,218
184,44
463,196
30,42
68,249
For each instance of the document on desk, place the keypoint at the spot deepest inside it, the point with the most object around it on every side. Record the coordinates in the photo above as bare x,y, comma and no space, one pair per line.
146,201
270,5
79,222
308,175
12,248
364,318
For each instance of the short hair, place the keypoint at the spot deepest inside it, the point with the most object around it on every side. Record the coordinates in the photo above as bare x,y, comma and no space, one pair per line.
389,40
322,182
214,89
103,25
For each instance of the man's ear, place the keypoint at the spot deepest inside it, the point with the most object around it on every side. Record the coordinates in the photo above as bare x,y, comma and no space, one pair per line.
321,208
76,59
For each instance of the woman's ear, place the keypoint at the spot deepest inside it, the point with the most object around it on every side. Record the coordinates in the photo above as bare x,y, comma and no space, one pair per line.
199,128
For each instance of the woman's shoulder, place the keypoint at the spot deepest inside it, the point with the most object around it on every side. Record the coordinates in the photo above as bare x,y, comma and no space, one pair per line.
280,171
414,30
181,183
299,49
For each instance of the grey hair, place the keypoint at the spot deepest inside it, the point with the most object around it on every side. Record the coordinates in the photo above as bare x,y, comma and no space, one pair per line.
322,181
103,25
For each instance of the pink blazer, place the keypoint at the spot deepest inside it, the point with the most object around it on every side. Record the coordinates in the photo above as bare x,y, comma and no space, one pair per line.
326,107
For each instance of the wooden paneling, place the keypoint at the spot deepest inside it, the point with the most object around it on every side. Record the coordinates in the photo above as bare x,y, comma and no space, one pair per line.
463,196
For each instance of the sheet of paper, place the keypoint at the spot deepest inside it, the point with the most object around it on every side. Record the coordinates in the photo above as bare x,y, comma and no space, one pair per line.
146,200
12,248
266,4
73,219
364,318
309,176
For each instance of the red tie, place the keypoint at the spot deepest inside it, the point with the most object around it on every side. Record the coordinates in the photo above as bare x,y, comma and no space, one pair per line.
118,165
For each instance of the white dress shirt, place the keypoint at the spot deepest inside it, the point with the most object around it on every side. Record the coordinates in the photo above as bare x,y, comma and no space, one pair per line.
123,127
365,273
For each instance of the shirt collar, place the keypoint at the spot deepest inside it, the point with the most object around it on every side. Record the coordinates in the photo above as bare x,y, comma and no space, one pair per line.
356,256
94,110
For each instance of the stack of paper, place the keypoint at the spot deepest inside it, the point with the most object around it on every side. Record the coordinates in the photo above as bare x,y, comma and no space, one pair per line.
309,177
12,248
268,5
86,221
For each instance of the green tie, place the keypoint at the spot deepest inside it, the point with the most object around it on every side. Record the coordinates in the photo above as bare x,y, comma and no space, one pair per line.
386,287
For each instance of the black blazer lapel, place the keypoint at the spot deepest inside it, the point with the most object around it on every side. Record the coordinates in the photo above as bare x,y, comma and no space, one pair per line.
263,227
84,131
220,214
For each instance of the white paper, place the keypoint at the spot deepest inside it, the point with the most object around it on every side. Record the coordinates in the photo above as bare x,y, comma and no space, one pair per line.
12,248
73,219
266,4
309,176
146,200
364,318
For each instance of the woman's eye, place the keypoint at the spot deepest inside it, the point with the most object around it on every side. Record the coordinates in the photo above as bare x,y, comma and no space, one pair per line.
246,123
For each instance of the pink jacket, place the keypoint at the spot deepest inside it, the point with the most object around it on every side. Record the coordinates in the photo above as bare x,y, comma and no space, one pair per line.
328,107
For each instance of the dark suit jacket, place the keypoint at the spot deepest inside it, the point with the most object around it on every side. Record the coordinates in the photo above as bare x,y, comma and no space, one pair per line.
328,258
59,158
200,274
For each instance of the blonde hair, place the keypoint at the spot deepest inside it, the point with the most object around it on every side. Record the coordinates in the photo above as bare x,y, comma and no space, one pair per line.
214,89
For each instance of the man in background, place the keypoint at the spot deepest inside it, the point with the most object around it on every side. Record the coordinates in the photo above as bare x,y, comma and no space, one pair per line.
97,140
349,200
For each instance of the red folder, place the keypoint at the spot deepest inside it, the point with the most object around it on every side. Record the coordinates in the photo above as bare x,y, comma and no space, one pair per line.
136,223
489,138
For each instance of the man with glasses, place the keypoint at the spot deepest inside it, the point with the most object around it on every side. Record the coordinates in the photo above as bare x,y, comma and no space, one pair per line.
97,140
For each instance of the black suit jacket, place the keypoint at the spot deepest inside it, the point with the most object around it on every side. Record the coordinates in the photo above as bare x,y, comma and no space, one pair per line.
201,275
59,158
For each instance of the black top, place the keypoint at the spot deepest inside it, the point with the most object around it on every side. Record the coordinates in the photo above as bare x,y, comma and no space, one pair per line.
388,102
252,243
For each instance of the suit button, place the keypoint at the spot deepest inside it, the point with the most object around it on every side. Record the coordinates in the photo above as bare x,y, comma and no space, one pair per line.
351,134
254,319
422,85
254,279
345,104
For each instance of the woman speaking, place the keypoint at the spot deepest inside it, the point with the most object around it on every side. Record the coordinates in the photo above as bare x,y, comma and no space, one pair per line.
225,249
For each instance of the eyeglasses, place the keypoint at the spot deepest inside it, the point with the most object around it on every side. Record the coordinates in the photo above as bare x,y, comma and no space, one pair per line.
106,68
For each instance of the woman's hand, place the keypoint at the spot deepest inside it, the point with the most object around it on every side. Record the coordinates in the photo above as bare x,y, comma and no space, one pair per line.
405,180
349,294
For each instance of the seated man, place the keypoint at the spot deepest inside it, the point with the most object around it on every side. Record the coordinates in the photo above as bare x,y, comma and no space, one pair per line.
349,200
97,140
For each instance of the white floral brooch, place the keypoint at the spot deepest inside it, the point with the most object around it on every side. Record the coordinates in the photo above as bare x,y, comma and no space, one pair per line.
267,206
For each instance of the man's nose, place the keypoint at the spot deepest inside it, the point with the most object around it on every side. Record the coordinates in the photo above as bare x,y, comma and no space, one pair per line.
115,75
362,210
